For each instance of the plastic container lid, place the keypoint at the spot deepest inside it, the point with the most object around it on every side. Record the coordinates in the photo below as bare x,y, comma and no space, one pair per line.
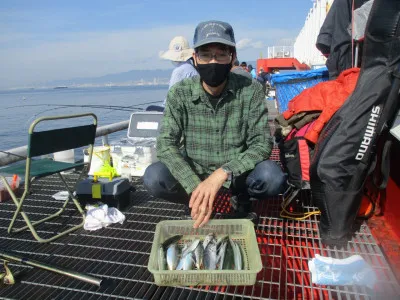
144,124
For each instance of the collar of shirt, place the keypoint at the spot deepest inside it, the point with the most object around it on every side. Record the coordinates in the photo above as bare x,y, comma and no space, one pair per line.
200,93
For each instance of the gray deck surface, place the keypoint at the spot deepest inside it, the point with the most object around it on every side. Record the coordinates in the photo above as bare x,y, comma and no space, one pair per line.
121,253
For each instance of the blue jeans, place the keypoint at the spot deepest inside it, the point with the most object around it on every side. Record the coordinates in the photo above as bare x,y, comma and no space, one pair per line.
266,179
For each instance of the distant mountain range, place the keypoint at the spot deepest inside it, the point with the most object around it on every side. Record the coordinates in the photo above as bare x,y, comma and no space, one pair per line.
130,76
134,76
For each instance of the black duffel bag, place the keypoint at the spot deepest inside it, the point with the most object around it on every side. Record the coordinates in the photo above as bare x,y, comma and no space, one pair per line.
346,150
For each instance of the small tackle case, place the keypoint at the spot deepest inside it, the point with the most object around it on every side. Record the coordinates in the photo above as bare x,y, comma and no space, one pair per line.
132,155
114,193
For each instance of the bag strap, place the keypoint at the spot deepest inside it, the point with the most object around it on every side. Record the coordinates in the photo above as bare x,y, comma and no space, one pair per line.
372,211
385,166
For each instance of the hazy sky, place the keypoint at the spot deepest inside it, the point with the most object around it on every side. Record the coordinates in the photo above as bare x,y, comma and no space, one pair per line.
61,39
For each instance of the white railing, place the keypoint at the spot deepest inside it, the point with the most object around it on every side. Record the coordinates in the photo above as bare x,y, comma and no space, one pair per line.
280,52
304,47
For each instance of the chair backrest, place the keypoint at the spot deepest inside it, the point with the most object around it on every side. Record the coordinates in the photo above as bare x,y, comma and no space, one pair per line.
50,141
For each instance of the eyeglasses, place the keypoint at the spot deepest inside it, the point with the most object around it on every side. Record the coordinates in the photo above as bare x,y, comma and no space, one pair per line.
219,57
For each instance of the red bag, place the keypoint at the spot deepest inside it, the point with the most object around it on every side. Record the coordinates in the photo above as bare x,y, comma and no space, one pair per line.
295,154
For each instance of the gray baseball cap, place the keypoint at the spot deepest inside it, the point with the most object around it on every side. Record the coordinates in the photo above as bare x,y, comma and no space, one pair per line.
213,32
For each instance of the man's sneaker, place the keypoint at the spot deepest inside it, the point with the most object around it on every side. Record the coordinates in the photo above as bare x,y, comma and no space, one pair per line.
242,208
241,202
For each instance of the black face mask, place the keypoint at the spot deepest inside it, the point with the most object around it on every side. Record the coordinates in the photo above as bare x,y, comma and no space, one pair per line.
213,74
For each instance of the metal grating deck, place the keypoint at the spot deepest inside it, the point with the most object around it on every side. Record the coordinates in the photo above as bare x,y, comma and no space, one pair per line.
121,253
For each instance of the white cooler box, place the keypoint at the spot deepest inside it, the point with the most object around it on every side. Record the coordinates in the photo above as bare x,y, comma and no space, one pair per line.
131,156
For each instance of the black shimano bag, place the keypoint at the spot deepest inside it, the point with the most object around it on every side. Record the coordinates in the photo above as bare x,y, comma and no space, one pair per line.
346,150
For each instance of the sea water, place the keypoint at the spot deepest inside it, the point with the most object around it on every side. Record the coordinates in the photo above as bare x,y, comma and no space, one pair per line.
19,108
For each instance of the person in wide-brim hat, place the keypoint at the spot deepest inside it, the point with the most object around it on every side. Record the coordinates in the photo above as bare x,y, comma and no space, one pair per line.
178,50
180,54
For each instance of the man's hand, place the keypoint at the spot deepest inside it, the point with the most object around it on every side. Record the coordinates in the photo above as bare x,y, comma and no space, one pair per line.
202,199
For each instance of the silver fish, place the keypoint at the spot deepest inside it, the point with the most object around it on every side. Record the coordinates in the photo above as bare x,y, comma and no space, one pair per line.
186,262
198,255
229,259
221,239
180,264
237,254
208,238
221,254
210,255
161,259
189,262
171,240
190,248
172,256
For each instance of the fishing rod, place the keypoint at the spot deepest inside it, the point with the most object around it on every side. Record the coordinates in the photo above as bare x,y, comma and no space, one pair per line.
8,256
116,107
9,153
61,106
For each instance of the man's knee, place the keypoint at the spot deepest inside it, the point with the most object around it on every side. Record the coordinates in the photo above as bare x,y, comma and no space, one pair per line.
267,179
151,178
160,183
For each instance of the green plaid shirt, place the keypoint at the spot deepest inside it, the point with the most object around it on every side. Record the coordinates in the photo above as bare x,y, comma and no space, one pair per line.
235,134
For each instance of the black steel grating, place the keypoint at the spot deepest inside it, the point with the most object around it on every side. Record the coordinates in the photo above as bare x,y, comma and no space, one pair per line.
121,253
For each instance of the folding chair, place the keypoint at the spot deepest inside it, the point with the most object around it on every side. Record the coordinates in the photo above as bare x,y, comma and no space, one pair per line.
46,142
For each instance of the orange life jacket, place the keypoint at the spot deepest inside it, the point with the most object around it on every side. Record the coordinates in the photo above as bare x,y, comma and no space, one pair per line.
326,97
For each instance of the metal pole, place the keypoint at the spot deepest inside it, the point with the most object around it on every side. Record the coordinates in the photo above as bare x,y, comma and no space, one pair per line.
34,263
105,140
107,129
356,55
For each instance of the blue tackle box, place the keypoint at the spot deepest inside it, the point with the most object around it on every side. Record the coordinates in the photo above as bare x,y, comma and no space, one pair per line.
289,85
114,193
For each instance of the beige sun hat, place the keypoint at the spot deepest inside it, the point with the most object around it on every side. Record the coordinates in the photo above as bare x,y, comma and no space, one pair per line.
178,50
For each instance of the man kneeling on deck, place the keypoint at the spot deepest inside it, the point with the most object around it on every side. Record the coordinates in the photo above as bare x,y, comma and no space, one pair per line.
221,117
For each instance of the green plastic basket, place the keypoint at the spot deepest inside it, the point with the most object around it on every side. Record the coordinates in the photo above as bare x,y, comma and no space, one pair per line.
240,230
